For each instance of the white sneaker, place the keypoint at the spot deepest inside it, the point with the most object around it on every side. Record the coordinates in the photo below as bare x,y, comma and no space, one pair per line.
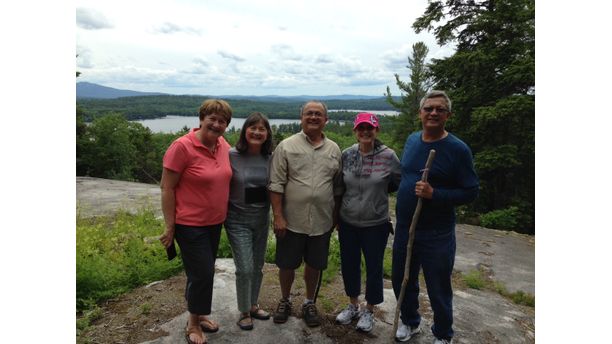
404,332
442,341
366,321
348,314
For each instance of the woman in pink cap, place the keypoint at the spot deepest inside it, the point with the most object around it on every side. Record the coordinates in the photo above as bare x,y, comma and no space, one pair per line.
370,170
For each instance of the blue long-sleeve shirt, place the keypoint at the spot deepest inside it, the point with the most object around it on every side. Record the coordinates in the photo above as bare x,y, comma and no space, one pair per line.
452,177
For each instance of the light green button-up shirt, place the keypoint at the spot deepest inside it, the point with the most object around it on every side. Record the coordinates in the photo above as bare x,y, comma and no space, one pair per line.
308,177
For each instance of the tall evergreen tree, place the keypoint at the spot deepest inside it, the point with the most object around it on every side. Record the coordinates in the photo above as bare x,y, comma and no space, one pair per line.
491,80
407,121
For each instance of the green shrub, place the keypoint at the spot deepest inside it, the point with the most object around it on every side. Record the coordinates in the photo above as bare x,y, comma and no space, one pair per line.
271,248
112,256
333,259
522,298
519,297
88,317
501,219
387,263
225,250
474,279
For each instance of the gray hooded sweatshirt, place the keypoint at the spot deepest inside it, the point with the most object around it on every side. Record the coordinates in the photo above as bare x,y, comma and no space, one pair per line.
368,179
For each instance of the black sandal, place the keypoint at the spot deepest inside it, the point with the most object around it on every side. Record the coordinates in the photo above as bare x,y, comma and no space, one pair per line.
246,327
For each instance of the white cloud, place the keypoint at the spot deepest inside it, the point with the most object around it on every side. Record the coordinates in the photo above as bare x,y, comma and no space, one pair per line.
90,19
170,28
246,47
84,59
230,56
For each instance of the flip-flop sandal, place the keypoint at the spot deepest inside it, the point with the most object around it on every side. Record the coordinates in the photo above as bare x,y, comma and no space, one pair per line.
209,326
260,314
192,330
245,327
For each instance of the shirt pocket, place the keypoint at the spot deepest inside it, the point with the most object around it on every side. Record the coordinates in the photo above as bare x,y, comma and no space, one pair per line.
299,164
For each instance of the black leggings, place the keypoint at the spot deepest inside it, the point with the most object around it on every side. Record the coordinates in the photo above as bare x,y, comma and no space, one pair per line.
199,251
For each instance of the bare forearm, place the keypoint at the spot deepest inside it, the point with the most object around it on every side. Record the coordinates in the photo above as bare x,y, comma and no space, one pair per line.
168,201
279,223
276,201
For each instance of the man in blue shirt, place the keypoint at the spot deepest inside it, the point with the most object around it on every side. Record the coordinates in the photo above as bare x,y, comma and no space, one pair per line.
452,181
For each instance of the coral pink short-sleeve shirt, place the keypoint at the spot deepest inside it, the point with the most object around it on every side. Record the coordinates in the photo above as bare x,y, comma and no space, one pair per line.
203,189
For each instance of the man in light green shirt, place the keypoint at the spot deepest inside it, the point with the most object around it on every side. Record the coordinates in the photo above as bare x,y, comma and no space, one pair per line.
305,190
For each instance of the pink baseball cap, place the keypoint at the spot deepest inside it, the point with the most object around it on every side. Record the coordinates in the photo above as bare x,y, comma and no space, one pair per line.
366,117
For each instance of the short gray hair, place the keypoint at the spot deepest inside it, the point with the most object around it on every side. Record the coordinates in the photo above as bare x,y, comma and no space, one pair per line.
313,101
436,94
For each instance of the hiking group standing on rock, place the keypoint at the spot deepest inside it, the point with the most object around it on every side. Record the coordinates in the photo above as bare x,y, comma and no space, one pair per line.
313,188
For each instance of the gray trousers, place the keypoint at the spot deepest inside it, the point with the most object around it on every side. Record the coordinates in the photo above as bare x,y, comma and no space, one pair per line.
247,231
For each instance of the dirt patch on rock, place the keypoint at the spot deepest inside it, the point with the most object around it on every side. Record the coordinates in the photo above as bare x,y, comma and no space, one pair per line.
136,316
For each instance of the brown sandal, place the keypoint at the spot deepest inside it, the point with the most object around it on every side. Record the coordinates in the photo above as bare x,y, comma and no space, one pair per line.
194,330
247,326
208,325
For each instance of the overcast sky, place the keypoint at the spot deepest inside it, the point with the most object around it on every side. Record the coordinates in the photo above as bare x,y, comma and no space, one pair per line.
262,47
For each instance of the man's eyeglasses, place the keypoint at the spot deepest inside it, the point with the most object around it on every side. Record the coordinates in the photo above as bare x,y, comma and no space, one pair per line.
315,114
430,109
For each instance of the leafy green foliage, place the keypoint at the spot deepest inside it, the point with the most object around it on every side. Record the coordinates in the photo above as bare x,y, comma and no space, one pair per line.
387,263
225,249
501,218
271,249
491,80
112,147
113,257
333,259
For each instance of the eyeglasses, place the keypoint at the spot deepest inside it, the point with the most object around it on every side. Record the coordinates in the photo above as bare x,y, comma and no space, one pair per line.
315,114
430,109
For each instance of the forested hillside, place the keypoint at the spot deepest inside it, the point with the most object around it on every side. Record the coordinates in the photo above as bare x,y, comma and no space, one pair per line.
146,107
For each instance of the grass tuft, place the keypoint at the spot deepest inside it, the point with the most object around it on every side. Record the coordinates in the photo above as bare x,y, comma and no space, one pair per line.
475,279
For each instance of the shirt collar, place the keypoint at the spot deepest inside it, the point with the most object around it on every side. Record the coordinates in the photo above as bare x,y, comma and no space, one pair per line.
303,134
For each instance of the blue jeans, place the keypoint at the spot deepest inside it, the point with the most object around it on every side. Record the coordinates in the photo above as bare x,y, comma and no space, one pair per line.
247,231
434,251
372,241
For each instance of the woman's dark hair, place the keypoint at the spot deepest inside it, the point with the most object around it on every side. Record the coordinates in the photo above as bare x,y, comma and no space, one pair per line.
242,145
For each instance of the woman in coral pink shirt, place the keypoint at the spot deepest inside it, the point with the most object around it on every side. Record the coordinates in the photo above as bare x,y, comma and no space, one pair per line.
195,190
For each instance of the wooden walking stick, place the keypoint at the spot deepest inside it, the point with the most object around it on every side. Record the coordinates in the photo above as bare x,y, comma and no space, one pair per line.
415,219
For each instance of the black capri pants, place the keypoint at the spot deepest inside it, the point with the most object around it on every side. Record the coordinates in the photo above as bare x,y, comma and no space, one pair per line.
199,247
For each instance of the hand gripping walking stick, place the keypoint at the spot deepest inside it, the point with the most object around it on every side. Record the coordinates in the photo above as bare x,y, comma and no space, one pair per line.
415,219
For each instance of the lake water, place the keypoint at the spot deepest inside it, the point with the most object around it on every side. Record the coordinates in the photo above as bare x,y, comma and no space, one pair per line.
172,124
376,112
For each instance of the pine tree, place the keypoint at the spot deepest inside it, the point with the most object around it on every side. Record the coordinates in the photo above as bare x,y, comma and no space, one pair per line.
491,80
407,121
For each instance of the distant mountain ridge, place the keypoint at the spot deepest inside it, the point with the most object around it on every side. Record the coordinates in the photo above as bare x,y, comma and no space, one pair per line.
95,91
91,90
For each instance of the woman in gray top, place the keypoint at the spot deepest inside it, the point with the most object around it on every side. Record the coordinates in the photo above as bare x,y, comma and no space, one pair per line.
248,215
370,170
